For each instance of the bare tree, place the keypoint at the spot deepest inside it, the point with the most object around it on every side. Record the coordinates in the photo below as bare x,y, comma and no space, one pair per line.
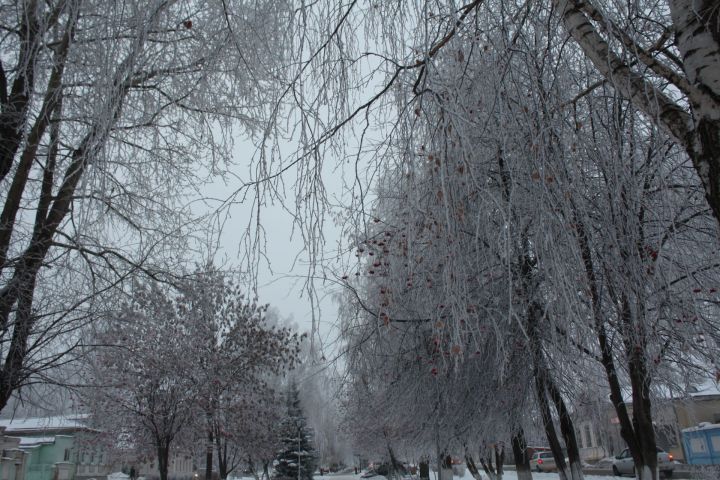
665,59
112,116
235,352
192,360
141,389
508,143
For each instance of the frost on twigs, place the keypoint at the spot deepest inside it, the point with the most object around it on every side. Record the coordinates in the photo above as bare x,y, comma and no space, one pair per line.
532,239
114,116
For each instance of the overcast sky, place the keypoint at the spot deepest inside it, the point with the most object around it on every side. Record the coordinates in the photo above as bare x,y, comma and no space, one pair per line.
283,286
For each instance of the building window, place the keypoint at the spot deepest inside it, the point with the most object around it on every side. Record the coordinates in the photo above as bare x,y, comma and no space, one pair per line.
66,456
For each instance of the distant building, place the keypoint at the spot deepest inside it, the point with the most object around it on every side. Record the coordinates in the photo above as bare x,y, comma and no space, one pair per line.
700,406
42,447
671,415
49,449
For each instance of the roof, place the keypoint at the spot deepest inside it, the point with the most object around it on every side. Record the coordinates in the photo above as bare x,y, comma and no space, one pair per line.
34,441
706,389
41,425
703,426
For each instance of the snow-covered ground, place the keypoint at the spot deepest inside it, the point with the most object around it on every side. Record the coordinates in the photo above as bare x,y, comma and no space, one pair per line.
509,475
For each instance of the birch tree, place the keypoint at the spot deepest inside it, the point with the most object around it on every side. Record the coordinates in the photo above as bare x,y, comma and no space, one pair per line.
660,207
665,59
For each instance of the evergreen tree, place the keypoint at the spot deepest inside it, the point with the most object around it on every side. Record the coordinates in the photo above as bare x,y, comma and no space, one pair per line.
296,458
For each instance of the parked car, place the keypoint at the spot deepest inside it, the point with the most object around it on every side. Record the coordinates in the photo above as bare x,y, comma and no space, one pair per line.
543,462
624,464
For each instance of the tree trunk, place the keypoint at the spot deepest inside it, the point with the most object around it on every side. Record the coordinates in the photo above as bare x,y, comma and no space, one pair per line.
637,434
498,454
222,457
14,371
488,467
549,427
253,470
519,448
394,464
163,458
209,455
567,428
499,460
471,466
13,114
438,452
697,33
540,375
646,455
424,470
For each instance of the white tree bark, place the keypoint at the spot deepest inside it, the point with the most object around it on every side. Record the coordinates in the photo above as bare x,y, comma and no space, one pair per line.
697,31
698,37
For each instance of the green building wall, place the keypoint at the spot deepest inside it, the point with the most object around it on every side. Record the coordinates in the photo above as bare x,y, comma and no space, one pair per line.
43,459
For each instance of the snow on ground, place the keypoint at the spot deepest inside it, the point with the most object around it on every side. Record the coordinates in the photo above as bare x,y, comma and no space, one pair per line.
509,475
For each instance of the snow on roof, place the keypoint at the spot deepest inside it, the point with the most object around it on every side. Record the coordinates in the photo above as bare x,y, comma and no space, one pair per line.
33,441
702,426
709,387
60,422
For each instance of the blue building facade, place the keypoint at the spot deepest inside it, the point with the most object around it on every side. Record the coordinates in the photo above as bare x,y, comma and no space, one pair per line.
702,444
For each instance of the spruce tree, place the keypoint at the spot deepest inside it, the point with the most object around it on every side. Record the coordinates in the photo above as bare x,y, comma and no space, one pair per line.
296,458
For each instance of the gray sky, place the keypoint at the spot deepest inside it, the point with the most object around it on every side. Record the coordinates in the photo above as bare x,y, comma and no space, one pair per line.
281,284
